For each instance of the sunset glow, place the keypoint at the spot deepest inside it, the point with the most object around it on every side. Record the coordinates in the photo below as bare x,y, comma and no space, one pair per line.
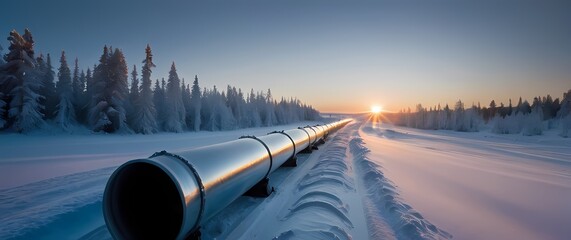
376,109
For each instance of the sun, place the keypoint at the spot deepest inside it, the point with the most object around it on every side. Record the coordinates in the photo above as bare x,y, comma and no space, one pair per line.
376,109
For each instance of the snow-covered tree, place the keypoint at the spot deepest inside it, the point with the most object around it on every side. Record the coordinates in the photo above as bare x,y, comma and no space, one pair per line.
564,114
131,105
269,112
77,86
175,111
160,104
110,92
254,109
533,124
1,55
185,92
195,105
458,117
21,84
216,115
472,119
65,112
49,98
98,119
145,120
79,95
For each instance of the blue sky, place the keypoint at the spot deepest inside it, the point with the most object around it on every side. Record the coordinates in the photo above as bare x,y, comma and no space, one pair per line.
336,55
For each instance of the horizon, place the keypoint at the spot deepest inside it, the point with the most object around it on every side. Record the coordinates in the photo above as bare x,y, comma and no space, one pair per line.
356,55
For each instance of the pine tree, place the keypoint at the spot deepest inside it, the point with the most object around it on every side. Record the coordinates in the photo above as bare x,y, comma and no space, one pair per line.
3,104
145,120
21,84
1,55
118,88
159,102
65,113
534,120
82,101
185,92
196,104
564,115
175,111
89,87
110,93
98,119
133,97
270,115
49,98
458,117
78,88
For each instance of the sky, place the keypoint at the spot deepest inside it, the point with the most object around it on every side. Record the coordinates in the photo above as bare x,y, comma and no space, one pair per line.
338,56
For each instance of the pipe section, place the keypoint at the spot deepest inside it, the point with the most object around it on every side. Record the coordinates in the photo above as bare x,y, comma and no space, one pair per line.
168,195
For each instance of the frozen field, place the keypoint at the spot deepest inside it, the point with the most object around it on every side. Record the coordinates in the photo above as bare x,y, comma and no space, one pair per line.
369,180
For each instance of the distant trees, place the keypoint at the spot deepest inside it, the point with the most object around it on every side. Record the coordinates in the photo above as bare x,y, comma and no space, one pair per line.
102,100
543,113
564,114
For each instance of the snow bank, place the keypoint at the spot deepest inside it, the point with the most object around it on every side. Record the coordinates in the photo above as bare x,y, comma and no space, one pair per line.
385,207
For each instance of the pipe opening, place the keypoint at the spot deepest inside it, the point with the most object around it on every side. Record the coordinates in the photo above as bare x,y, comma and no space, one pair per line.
143,202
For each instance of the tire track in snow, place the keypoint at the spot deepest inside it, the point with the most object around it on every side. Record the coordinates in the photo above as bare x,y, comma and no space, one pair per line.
387,215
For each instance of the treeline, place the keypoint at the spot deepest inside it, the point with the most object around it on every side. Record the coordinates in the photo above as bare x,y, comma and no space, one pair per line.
101,98
525,118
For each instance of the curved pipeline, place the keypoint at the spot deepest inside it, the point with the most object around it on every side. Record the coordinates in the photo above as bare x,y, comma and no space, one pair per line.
169,195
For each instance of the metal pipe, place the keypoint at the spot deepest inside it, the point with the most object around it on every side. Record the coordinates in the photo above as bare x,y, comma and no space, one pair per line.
168,195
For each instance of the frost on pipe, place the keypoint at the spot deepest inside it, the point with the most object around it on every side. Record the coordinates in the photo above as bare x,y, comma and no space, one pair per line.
168,196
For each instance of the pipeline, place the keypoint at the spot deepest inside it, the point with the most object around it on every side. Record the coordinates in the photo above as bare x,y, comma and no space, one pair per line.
169,195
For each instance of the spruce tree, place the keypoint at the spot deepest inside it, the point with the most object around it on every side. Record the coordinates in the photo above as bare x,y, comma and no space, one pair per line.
134,92
89,85
159,102
175,111
133,97
21,84
196,104
185,92
98,119
65,113
78,88
118,90
110,92
145,119
82,100
48,90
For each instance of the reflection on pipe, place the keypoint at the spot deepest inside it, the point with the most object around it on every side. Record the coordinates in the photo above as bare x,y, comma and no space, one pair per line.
168,195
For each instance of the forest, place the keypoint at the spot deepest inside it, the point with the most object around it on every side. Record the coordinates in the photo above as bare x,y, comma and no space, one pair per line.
103,99
527,119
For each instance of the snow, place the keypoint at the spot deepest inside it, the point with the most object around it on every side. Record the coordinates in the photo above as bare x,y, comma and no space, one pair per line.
479,185
370,180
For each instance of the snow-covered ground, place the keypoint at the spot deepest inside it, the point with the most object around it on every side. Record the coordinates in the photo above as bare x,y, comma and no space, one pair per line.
479,185
369,180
